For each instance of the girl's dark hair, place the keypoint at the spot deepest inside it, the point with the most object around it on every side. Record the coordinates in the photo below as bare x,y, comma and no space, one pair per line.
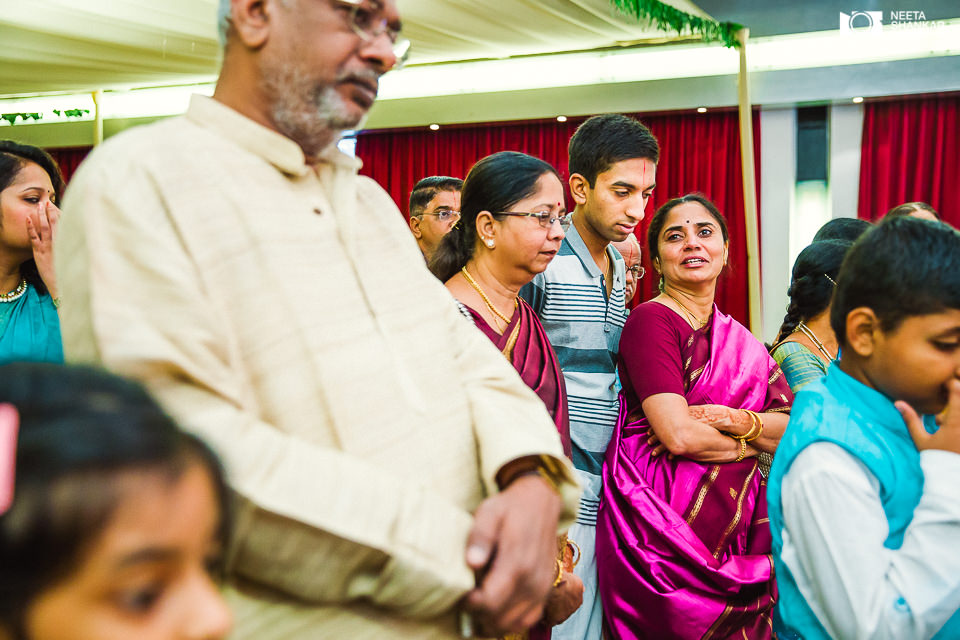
660,218
494,184
13,158
80,428
811,285
902,267
848,229
907,208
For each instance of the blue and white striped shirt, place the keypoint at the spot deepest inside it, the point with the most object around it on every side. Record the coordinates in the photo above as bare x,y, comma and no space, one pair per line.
584,327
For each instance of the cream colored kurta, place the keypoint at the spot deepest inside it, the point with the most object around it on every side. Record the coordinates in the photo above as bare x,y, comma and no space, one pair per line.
285,314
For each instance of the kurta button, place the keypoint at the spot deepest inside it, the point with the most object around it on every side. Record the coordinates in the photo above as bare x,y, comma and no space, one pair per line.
317,210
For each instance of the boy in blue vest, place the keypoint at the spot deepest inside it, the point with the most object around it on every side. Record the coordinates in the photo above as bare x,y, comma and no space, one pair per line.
864,501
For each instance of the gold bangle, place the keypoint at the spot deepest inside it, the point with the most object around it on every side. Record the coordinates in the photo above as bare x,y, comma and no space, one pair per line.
576,548
559,578
749,435
759,424
743,449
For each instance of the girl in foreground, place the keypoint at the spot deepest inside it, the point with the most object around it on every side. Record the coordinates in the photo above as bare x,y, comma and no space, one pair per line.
112,520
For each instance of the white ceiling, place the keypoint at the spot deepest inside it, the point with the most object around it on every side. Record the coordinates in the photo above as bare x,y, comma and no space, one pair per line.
53,46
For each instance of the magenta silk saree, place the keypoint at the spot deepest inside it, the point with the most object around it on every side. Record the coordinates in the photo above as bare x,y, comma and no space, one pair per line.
683,548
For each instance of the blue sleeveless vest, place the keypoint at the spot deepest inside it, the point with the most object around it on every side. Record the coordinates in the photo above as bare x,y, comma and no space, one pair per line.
840,410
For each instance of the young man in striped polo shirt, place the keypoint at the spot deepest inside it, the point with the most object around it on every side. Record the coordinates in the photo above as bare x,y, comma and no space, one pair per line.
580,300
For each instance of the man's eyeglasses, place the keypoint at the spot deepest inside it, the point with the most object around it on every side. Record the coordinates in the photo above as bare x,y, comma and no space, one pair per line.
443,215
367,21
545,218
638,271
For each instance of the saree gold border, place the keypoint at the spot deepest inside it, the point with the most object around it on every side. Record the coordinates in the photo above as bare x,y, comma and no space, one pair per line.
703,493
511,342
738,514
716,624
696,374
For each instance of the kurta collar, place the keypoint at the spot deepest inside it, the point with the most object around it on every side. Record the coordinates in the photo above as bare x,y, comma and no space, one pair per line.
277,149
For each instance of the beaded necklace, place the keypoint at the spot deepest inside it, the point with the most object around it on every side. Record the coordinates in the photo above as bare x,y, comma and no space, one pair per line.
10,296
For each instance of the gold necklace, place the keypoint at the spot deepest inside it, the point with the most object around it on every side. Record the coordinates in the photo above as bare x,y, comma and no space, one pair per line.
10,296
486,300
691,315
807,331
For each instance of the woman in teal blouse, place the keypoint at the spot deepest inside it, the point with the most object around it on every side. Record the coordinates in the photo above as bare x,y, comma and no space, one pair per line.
30,188
806,343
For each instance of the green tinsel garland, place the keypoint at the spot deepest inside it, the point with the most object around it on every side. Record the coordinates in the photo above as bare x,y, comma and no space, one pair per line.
667,18
70,113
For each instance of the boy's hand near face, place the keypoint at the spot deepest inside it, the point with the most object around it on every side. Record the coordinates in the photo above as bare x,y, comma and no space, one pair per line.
947,438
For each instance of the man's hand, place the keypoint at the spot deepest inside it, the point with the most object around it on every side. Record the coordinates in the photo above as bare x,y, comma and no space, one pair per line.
947,438
513,547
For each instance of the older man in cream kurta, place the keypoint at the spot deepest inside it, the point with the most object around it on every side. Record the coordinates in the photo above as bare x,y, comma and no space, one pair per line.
270,298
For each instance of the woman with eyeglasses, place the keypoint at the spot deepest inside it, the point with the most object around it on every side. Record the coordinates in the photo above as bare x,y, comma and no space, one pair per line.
683,541
806,344
512,220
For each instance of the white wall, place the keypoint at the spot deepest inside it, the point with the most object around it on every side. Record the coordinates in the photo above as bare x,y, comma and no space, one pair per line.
846,130
778,157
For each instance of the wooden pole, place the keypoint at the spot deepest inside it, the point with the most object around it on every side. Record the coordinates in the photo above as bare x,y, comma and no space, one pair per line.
98,117
749,191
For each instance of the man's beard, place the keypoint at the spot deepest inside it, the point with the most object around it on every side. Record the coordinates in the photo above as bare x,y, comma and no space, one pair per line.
312,116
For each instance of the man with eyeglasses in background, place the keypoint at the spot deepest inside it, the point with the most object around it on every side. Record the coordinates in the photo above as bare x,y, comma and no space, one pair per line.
434,209
232,259
629,250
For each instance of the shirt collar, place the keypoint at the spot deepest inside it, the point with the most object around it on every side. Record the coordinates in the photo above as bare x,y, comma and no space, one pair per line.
576,243
274,147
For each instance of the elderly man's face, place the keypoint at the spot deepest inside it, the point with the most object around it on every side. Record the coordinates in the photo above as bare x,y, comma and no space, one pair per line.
633,271
630,250
318,73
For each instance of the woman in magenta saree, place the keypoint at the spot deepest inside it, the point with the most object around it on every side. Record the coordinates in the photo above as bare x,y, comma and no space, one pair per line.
683,540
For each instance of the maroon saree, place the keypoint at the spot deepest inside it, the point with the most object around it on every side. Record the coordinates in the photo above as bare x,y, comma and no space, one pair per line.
524,343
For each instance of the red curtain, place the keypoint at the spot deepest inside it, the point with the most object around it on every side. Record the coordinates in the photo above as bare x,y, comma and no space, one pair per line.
699,152
909,153
69,158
